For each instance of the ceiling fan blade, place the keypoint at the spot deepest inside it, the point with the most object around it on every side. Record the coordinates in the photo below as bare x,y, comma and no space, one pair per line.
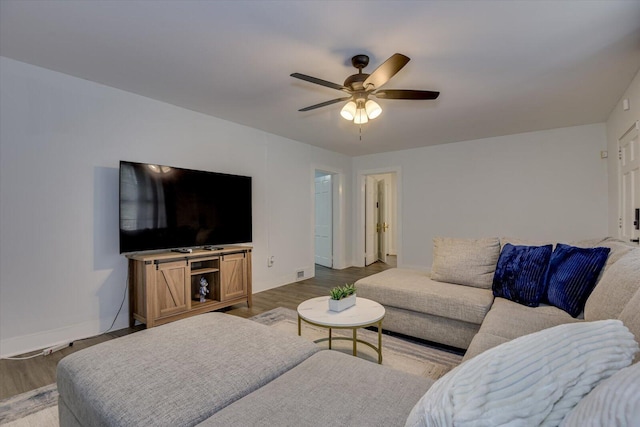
406,94
324,104
384,72
320,82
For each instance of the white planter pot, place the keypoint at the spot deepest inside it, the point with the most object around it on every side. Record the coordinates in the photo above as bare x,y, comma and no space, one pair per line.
342,304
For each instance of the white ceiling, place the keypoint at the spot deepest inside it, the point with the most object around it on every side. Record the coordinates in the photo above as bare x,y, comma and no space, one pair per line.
501,67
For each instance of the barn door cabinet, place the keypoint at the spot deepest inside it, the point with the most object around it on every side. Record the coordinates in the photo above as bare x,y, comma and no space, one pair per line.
164,286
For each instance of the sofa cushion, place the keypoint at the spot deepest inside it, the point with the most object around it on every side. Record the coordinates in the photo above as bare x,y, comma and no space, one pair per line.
619,248
508,320
630,316
481,343
572,275
415,290
511,320
328,389
522,382
615,288
176,374
521,272
470,262
614,402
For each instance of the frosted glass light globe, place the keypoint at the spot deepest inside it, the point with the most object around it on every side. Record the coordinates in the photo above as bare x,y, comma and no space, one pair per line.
349,110
373,109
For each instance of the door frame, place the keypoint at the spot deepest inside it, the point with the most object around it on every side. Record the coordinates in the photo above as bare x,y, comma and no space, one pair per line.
338,214
383,235
359,250
634,127
370,220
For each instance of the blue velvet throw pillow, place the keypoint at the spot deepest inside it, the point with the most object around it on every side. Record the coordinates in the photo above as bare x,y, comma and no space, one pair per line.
572,275
520,273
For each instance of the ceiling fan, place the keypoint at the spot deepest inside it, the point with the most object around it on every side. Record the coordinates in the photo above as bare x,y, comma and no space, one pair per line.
361,86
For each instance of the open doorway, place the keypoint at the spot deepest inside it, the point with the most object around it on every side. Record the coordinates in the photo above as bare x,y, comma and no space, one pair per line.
329,217
381,224
323,227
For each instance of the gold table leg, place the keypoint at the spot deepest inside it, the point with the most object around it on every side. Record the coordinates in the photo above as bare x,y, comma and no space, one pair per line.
380,342
355,341
354,337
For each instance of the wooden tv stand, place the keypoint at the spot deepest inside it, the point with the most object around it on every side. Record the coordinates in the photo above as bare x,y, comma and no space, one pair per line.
163,285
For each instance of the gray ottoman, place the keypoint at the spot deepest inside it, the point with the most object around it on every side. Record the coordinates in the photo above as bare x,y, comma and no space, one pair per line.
328,389
178,374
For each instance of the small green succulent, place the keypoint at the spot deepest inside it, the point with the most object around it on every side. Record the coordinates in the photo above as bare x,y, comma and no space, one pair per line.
336,293
339,292
349,289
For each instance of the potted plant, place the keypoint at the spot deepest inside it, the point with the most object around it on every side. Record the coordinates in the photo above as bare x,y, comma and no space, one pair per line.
342,297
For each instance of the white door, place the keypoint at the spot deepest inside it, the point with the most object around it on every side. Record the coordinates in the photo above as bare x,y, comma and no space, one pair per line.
383,221
370,240
629,158
324,223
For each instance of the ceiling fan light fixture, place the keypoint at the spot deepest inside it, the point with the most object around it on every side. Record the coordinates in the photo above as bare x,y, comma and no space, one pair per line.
360,86
361,117
349,111
373,109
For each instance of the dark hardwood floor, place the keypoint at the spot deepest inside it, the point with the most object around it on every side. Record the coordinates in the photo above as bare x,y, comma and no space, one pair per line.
19,376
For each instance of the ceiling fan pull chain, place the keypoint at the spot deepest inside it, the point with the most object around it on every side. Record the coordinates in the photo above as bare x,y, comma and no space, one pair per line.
360,132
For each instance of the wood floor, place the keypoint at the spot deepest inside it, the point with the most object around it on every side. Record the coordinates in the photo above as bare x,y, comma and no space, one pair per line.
19,376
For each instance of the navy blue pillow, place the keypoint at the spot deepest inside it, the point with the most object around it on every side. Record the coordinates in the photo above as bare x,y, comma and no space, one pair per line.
520,273
572,275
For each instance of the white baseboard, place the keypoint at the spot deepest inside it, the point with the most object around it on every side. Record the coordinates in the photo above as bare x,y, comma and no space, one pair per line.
27,343
286,279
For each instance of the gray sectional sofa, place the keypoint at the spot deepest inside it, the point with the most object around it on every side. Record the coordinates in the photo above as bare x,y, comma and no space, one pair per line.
220,370
466,315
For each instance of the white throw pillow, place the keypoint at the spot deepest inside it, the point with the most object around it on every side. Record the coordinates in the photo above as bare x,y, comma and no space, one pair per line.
533,380
470,262
614,402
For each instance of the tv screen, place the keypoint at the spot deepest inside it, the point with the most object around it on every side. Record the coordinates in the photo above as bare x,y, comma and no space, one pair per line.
163,207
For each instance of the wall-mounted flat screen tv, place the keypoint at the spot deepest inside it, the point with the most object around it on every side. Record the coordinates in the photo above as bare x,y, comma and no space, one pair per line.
164,207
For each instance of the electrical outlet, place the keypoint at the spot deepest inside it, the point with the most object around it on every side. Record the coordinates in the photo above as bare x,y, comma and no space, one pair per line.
300,274
48,351
270,261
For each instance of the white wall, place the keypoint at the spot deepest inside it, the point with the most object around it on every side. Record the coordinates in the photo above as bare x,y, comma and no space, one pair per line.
61,139
619,122
539,185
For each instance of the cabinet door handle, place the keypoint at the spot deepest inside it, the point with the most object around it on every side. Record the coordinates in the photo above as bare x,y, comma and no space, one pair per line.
635,240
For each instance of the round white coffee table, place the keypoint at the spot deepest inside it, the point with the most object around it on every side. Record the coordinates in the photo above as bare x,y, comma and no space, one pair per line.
365,313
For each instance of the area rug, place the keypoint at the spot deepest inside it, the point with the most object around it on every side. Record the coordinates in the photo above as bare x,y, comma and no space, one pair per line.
397,353
39,407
